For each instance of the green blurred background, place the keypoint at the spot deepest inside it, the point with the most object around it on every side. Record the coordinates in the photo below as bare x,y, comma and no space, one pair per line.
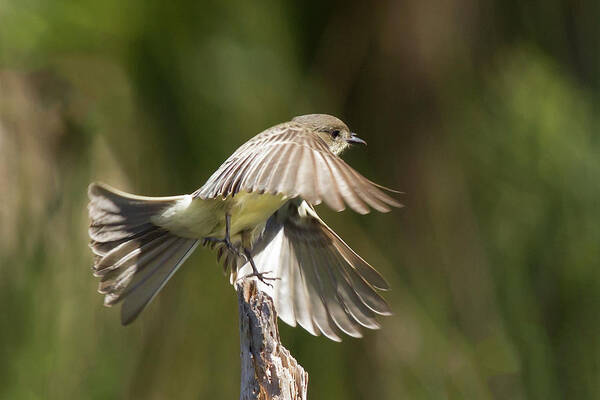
486,114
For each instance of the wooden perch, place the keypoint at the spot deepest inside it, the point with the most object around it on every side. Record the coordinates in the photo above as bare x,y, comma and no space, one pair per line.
268,369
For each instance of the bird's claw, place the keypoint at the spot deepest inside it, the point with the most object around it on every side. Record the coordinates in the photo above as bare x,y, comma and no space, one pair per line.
261,277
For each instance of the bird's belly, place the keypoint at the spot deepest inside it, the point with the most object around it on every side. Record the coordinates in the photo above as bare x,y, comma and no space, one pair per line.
200,218
251,209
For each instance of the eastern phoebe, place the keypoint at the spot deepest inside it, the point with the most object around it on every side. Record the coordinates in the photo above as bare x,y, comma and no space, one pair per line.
257,211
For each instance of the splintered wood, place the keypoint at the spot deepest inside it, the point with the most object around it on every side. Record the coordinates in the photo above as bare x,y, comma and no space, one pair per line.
268,369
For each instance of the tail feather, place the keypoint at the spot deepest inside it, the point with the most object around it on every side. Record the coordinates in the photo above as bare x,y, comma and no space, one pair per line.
115,278
133,257
113,233
129,251
149,283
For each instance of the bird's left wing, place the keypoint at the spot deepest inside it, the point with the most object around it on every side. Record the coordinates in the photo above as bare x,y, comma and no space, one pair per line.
288,159
322,284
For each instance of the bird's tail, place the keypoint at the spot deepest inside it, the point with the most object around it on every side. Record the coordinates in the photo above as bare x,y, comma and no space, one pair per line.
133,257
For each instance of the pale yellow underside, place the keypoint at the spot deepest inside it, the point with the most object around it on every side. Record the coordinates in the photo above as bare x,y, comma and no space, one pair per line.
198,218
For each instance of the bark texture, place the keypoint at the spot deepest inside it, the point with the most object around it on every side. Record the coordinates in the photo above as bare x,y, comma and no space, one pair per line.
268,369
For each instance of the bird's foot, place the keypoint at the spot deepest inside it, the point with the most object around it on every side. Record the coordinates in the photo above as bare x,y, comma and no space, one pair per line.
261,277
226,240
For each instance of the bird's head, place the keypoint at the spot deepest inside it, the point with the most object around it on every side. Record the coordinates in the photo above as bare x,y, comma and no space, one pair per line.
333,131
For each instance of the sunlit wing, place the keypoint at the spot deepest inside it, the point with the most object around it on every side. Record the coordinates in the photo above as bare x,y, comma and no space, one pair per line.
322,285
292,161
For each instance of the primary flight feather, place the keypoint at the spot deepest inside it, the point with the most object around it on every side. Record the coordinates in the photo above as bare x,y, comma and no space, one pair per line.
257,212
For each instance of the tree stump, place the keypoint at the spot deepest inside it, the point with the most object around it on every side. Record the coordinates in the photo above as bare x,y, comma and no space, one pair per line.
268,369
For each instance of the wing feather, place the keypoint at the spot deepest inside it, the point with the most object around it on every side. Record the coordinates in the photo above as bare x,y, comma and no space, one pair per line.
300,301
277,169
307,181
316,292
354,305
287,180
370,188
254,171
335,303
345,186
328,190
361,190
282,289
271,164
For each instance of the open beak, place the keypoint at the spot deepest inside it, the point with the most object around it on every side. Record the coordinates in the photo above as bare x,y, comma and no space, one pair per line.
355,140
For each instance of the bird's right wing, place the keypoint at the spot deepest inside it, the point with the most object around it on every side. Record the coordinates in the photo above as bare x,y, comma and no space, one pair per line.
289,160
322,284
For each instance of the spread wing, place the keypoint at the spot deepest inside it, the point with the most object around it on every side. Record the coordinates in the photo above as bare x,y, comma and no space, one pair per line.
323,284
287,159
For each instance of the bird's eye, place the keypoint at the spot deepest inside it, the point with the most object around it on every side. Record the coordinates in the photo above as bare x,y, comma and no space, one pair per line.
335,134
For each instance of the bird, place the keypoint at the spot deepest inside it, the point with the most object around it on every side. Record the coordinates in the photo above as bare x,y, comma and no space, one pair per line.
257,211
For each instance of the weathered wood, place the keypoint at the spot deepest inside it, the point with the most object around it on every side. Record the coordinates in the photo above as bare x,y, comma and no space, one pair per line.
268,369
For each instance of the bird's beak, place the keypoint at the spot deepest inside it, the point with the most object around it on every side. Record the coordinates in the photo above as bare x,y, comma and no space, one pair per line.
355,139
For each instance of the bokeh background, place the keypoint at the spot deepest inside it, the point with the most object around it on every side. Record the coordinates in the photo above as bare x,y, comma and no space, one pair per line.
486,114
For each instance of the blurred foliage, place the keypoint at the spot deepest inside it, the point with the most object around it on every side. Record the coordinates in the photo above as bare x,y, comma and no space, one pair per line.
484,113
